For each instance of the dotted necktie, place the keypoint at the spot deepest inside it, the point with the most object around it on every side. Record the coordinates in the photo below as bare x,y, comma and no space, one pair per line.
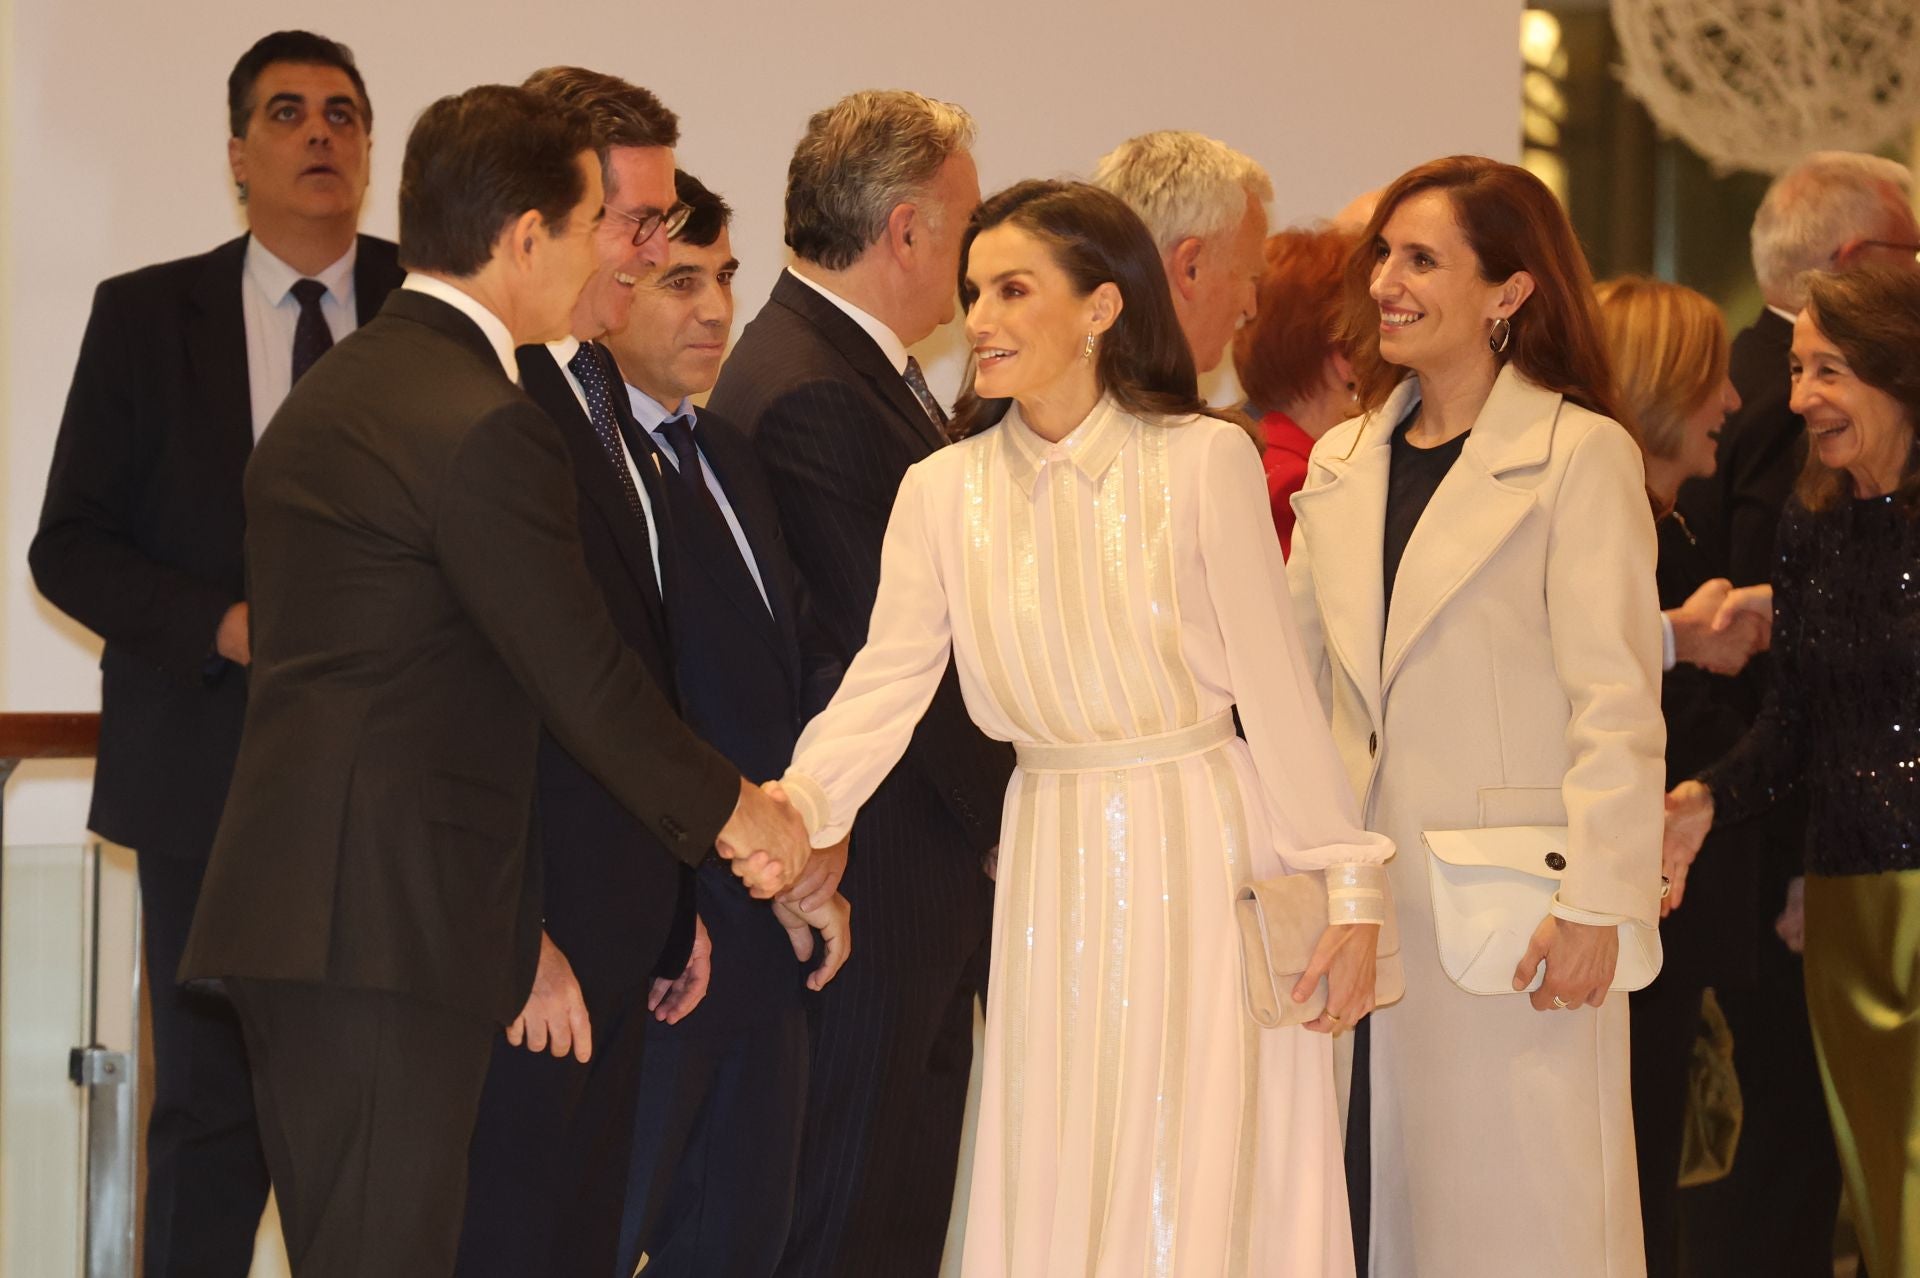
588,367
917,383
311,336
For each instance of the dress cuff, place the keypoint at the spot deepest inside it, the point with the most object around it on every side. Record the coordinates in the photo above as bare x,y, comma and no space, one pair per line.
1356,893
1572,914
810,801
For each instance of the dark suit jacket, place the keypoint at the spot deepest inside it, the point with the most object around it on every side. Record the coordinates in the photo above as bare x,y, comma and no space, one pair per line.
420,606
140,534
618,902
837,428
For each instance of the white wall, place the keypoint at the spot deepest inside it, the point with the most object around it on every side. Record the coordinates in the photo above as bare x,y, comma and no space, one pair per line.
112,152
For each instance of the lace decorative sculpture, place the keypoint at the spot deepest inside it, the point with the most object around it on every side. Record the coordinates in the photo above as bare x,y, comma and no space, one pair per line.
1756,84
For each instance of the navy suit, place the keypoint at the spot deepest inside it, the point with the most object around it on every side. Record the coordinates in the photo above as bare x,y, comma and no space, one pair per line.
722,1094
140,541
837,428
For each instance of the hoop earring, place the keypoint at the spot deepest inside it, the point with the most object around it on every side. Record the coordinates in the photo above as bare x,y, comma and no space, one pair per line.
1501,337
1086,352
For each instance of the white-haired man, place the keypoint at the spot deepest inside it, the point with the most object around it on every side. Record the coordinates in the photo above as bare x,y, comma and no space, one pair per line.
1774,1213
1205,204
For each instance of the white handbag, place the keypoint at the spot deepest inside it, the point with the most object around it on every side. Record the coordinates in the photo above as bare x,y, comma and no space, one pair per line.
1491,887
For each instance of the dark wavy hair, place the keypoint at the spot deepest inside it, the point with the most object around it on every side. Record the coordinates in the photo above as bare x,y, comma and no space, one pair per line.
1872,313
1513,223
1143,360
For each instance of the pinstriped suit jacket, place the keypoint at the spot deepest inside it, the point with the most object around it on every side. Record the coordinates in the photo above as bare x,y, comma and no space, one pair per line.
837,428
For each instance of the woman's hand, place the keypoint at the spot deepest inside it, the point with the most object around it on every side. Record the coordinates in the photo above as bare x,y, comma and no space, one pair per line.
1580,959
1345,956
1689,817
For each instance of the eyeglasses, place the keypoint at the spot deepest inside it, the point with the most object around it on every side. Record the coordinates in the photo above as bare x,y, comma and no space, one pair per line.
1891,245
645,224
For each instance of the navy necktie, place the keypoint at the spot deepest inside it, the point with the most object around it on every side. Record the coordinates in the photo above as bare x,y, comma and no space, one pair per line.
591,372
311,336
917,383
690,478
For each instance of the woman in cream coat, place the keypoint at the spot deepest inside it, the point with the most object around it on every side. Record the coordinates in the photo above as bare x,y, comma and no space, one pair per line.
1473,568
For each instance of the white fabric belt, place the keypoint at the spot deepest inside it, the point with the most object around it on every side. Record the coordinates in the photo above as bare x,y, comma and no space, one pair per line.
1131,752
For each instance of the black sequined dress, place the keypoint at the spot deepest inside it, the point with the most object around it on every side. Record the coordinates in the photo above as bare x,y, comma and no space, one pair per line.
1842,714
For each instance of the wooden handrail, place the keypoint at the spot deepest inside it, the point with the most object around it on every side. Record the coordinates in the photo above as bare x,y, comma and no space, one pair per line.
48,736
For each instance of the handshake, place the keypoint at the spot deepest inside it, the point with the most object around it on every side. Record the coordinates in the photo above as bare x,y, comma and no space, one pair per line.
767,844
1719,628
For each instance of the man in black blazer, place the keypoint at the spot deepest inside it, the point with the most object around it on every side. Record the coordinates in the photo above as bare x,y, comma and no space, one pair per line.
420,608
1774,1214
716,1148
878,195
181,368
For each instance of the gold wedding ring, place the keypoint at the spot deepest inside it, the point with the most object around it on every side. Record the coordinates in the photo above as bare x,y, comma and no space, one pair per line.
1561,1003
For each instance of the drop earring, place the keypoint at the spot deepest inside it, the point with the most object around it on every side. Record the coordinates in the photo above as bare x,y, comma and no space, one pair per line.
1501,337
1086,352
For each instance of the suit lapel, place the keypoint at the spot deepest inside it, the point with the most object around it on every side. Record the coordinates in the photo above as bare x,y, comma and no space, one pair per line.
864,354
216,340
1472,513
594,472
1345,524
760,526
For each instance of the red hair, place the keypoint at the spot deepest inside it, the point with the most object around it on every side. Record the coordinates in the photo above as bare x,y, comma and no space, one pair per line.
1513,223
1281,357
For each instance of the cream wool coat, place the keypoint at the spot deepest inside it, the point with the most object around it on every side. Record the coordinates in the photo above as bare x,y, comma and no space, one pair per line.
1514,681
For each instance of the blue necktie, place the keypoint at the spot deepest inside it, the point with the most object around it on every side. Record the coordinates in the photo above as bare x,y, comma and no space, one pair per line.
591,371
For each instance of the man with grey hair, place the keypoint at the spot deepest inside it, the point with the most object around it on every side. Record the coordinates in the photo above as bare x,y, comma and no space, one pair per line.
1205,204
878,195
1774,1213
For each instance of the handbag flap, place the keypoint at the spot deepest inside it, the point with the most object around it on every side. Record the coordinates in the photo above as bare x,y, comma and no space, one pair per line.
1539,850
1263,1000
1293,910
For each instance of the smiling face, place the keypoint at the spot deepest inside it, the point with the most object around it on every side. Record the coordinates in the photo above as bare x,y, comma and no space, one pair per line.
682,315
1028,324
1700,432
305,152
1852,426
642,184
1435,309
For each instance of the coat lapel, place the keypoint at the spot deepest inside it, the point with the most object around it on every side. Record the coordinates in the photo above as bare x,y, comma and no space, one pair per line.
1472,513
863,353
1344,519
216,340
760,524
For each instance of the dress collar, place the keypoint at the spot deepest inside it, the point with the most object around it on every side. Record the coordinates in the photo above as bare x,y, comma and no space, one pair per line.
1092,446
276,279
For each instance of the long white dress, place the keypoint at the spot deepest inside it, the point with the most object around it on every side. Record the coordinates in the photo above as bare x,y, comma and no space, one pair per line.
1109,599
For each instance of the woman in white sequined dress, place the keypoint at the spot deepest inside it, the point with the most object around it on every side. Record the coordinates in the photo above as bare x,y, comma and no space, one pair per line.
1099,556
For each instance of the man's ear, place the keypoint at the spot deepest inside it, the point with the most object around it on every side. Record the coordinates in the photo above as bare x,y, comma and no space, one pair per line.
520,238
902,224
1183,266
237,160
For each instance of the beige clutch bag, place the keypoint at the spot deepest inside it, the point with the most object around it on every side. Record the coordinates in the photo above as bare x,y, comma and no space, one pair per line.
1280,921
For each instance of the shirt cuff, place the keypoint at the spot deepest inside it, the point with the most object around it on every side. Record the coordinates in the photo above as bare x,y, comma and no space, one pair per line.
1356,893
810,801
1572,914
1667,658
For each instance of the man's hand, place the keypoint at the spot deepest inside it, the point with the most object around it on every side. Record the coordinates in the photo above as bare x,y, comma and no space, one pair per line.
233,638
1346,956
764,839
834,920
1706,635
1580,959
1745,605
821,879
555,1017
670,1001
1689,818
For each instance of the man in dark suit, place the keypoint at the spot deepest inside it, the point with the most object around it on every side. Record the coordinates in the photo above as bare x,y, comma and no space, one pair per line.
181,368
716,1149
1774,1214
420,607
878,195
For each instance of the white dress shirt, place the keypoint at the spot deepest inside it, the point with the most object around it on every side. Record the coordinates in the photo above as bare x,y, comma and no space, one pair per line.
649,412
564,350
490,324
889,341
271,313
